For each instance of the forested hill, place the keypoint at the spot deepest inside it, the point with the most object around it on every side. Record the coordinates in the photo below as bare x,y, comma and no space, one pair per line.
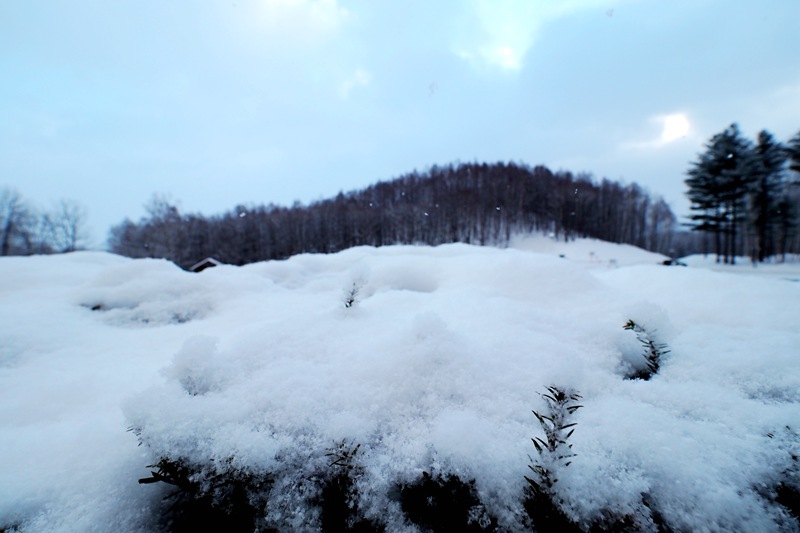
470,203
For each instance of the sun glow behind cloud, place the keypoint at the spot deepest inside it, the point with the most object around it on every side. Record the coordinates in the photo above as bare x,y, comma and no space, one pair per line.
676,126
499,33
301,20
503,56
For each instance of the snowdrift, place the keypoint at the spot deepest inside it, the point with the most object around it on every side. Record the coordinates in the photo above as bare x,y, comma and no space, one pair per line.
379,372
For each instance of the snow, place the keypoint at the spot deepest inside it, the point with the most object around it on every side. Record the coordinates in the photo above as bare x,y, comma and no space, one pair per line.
436,367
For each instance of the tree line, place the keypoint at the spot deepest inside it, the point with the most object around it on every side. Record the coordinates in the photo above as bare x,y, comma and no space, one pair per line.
745,196
470,203
25,230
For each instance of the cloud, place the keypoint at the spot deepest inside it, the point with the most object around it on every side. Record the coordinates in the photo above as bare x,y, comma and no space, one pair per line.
506,57
311,21
776,109
499,33
674,127
360,78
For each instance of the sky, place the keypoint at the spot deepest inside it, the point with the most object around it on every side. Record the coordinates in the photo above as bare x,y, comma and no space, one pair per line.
225,102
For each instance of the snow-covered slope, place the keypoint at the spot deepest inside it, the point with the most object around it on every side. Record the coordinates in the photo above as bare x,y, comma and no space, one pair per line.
436,367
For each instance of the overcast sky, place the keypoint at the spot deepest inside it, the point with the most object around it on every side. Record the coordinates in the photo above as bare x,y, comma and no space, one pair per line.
219,103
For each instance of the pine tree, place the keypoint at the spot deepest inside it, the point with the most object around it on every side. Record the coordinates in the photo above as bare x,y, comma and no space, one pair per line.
705,201
767,192
786,219
718,185
788,205
793,153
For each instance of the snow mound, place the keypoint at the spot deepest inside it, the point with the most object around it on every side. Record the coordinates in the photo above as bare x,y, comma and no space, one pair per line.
146,292
588,252
279,385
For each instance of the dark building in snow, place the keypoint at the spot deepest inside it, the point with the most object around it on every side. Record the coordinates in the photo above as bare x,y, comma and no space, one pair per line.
208,262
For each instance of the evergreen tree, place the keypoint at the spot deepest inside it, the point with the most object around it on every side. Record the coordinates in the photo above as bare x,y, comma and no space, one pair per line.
770,157
786,222
793,153
719,182
788,205
705,199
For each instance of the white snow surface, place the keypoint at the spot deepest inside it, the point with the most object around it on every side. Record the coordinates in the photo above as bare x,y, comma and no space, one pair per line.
436,367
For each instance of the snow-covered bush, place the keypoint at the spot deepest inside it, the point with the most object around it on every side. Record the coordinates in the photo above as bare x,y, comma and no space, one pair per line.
222,496
339,498
435,370
147,292
787,490
209,496
444,502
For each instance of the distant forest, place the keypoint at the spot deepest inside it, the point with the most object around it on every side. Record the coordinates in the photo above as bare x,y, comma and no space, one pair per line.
474,203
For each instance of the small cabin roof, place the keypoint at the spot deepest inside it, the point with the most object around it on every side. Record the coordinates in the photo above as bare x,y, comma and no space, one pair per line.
208,262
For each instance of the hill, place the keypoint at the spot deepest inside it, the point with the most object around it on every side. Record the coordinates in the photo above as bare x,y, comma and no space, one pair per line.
468,203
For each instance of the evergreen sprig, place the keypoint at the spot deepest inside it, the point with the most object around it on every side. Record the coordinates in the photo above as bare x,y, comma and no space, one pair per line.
652,352
343,455
351,295
557,430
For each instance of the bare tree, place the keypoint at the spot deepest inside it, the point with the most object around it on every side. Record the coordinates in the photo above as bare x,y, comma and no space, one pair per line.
16,224
65,225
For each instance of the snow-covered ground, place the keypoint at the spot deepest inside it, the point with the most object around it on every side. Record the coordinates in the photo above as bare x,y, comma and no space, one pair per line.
788,269
436,367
